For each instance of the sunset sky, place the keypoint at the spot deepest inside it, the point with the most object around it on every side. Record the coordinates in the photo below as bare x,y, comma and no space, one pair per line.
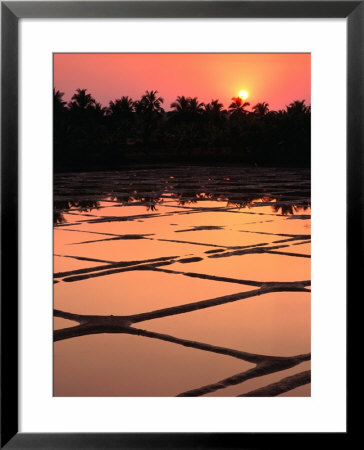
277,79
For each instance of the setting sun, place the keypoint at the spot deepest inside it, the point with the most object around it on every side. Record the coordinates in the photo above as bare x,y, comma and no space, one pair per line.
243,95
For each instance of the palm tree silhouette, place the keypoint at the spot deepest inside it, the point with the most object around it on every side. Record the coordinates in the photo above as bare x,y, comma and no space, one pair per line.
99,109
82,100
237,107
298,107
149,113
58,103
261,109
87,135
187,106
181,105
121,107
214,108
195,106
151,103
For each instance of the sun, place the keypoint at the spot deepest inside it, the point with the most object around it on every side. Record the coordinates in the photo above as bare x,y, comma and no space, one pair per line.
243,95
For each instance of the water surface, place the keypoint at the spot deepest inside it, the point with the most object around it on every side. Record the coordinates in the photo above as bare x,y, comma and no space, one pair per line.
196,275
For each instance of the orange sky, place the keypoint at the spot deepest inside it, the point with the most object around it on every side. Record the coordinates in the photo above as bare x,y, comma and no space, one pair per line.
275,78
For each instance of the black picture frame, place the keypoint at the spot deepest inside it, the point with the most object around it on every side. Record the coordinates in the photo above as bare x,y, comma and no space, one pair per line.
11,12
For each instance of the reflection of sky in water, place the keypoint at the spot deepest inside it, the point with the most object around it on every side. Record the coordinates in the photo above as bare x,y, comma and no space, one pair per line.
123,365
134,242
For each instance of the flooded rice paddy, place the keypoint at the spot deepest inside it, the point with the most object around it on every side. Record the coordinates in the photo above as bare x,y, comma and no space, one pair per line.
182,281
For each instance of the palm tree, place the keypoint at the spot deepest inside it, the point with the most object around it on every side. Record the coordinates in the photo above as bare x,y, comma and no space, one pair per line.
151,103
195,106
149,113
123,106
187,105
99,109
187,109
121,118
214,111
81,100
60,125
214,122
181,105
186,119
298,107
237,106
59,104
261,109
214,108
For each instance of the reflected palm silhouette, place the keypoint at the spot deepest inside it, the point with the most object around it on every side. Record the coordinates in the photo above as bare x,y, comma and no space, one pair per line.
60,207
277,203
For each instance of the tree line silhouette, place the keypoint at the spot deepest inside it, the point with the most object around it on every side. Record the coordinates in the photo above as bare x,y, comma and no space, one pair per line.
88,136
